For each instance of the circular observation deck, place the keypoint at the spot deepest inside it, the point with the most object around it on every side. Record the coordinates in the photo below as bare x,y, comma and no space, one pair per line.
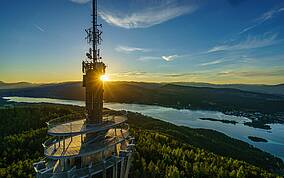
88,171
76,147
72,125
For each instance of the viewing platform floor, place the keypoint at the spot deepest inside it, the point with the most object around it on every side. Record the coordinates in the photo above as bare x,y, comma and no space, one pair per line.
80,127
75,147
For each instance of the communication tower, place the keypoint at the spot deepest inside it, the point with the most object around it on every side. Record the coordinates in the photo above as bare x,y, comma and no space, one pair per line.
94,144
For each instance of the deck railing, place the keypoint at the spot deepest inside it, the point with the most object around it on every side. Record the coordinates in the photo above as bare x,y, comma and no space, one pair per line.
67,119
90,170
74,124
65,148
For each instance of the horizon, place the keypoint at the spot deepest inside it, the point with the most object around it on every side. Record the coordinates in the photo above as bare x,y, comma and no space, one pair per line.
60,82
192,41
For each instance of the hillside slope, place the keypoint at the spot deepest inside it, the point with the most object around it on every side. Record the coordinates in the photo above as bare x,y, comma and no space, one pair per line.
163,149
5,85
259,88
167,95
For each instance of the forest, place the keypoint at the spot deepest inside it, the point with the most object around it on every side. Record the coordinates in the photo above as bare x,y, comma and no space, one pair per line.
163,149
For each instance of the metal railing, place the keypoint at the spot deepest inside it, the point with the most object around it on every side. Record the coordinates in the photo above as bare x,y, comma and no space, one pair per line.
74,123
66,120
90,170
64,147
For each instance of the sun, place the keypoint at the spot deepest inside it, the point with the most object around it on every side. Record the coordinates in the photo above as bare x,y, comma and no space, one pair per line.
104,78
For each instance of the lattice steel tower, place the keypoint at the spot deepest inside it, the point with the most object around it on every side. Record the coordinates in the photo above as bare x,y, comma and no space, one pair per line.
95,144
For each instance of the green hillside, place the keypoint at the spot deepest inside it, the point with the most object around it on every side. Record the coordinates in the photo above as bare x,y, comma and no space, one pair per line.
163,149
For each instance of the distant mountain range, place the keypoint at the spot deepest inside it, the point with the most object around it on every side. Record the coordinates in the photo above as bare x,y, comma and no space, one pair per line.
172,95
4,85
258,88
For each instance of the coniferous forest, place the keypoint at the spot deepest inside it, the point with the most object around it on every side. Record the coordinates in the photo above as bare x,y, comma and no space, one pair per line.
162,149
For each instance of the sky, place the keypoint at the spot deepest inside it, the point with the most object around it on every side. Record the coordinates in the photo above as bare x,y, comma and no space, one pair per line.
222,41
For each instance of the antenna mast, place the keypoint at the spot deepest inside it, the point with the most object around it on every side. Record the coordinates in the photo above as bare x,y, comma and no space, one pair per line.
94,35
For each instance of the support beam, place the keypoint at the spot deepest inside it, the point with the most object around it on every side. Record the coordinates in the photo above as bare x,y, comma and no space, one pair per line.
114,168
128,164
64,144
122,168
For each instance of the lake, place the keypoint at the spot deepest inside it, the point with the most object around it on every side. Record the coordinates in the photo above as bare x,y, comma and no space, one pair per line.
190,118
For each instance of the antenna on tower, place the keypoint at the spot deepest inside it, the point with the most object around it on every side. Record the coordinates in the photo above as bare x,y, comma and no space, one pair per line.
94,35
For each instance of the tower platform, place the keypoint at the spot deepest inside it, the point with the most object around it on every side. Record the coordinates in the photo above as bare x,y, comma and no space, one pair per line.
75,147
71,153
76,124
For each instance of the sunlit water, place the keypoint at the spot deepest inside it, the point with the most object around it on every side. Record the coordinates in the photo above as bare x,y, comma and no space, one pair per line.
190,118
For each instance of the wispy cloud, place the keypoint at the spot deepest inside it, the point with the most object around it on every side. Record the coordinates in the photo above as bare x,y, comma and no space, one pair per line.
249,28
164,58
149,58
252,73
80,1
212,62
170,58
268,15
39,28
148,17
250,42
132,73
177,75
263,18
128,49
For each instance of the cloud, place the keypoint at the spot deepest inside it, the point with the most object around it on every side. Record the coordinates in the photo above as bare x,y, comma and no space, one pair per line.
252,73
212,63
249,43
128,49
165,58
170,58
268,15
263,18
123,75
149,58
248,28
177,75
39,28
133,73
80,1
149,16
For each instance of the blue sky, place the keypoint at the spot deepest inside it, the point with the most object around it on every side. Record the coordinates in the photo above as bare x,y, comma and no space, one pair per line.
224,41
